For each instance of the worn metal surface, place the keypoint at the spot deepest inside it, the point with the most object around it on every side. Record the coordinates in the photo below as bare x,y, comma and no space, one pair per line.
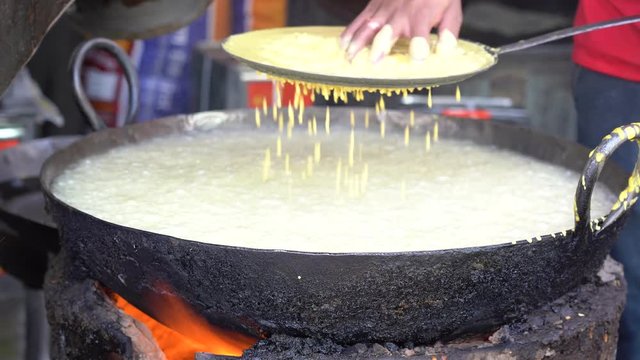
27,233
24,24
133,19
580,325
349,298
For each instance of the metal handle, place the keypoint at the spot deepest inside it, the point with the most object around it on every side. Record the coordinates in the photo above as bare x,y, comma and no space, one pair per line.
595,164
564,33
129,72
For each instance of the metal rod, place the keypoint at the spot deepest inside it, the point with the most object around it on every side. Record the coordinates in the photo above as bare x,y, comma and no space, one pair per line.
129,72
564,33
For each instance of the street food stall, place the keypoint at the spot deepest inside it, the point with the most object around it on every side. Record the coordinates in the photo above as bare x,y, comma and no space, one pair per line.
324,208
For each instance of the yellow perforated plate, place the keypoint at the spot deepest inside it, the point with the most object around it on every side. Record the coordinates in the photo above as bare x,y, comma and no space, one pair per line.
313,55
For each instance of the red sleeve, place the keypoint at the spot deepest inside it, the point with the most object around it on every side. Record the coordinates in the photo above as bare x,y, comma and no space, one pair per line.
613,51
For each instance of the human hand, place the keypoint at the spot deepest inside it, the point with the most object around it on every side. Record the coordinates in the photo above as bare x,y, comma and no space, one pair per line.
382,22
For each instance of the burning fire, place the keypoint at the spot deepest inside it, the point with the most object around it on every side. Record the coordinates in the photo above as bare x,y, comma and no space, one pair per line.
183,333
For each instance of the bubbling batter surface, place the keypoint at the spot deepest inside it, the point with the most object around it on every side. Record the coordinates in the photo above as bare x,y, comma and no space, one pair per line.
211,188
316,50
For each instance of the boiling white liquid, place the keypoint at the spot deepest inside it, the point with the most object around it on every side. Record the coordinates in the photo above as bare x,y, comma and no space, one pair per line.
211,189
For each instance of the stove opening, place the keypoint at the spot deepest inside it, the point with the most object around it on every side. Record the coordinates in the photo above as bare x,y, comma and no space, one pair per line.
183,333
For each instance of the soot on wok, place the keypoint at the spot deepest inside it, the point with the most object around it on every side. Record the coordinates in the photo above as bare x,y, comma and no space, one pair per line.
580,325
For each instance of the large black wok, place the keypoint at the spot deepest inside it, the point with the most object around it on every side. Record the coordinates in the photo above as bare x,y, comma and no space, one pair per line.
351,297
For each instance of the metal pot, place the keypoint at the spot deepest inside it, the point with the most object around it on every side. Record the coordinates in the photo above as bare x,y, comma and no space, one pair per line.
351,297
28,234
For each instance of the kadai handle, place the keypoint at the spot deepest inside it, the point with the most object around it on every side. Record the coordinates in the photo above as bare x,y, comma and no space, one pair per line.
590,174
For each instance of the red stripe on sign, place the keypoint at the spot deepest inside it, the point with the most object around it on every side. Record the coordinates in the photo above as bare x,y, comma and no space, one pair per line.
6,144
468,114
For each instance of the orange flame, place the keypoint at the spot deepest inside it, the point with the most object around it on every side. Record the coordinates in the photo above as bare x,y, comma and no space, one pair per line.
184,333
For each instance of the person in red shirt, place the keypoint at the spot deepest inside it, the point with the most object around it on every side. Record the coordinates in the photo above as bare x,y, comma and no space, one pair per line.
613,51
606,92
